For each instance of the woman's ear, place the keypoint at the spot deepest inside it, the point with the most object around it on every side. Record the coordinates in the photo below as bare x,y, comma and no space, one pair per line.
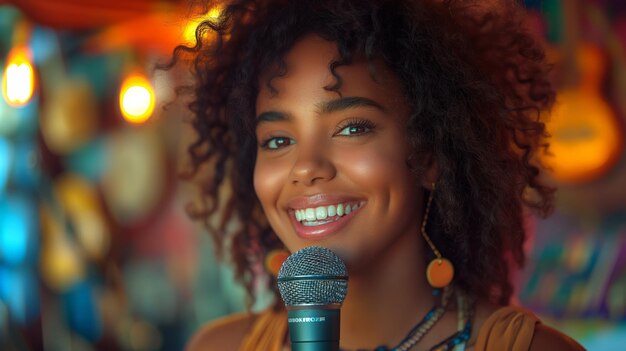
425,168
431,172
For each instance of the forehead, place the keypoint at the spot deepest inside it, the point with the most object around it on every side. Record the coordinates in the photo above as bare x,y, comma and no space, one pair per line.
308,73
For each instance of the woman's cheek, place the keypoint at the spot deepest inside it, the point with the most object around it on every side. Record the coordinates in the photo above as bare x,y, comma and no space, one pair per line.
374,164
268,180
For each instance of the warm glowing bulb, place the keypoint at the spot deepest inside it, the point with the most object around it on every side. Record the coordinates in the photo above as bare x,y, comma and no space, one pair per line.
136,99
18,80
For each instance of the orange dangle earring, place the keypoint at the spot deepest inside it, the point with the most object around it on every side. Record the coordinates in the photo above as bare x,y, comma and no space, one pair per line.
440,270
274,260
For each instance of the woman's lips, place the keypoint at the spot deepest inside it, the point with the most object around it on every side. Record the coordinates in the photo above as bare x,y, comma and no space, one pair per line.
329,226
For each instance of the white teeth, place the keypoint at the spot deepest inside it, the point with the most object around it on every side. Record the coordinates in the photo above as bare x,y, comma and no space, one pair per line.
320,212
332,211
340,210
315,223
309,214
313,216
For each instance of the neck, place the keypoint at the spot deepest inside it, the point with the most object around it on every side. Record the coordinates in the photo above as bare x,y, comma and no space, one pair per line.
387,297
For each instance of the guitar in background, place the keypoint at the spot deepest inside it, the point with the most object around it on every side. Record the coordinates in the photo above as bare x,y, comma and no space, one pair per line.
587,136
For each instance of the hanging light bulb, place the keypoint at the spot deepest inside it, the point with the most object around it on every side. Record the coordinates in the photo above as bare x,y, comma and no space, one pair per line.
136,98
18,79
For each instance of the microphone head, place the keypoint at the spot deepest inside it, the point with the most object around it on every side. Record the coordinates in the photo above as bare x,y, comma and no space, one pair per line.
313,276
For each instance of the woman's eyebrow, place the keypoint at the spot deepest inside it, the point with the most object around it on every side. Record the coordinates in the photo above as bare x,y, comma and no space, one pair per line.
271,116
324,107
345,103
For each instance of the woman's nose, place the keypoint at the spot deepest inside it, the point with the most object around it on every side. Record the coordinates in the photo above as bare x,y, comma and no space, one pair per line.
312,166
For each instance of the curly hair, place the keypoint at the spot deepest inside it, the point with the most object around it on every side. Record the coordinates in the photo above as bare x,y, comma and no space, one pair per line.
476,83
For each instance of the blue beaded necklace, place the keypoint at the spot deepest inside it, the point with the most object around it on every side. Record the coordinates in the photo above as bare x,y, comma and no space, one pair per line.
466,310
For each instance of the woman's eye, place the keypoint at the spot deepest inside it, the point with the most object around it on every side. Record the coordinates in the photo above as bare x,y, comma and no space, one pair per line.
277,143
356,129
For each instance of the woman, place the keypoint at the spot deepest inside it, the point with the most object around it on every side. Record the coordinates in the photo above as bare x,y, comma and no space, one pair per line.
400,134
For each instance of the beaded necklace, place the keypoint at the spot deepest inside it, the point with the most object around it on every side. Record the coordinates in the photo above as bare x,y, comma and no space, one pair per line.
466,310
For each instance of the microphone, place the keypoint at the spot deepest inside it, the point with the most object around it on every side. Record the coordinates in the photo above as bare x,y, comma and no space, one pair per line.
313,282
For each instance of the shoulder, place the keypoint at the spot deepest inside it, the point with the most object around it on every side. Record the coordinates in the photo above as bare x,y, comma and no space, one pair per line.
515,328
223,334
546,338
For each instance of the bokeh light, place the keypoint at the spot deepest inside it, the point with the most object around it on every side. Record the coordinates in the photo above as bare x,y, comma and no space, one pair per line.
17,228
81,311
18,80
82,209
189,33
25,170
134,182
6,155
60,262
20,293
136,99
70,117
19,122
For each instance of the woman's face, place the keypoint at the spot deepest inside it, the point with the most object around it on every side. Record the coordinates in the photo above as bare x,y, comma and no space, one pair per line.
331,168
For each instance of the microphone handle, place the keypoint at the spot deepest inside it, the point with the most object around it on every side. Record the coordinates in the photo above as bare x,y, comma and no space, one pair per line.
314,328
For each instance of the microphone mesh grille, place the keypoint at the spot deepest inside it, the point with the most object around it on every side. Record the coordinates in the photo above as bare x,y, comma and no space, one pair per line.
309,261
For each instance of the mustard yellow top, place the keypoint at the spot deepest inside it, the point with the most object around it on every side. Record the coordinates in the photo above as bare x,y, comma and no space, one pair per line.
508,328
268,333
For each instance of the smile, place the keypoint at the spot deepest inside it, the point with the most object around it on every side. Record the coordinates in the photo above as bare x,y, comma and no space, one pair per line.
324,214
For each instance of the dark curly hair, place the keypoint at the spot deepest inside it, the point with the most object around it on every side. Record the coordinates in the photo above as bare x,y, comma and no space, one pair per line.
475,80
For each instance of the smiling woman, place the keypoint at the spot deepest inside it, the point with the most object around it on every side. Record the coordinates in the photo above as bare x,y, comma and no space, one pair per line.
344,148
395,133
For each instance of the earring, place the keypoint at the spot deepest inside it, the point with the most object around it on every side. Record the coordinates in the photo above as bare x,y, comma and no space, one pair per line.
440,270
274,260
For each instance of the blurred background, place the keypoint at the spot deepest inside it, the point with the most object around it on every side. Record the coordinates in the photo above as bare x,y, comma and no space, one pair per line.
97,252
